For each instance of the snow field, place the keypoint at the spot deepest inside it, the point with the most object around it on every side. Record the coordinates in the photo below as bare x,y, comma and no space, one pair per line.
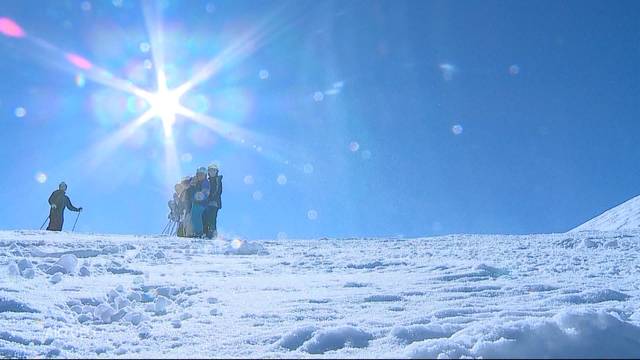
562,295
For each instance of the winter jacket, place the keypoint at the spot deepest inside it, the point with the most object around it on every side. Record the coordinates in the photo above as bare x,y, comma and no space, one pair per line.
215,193
61,200
201,192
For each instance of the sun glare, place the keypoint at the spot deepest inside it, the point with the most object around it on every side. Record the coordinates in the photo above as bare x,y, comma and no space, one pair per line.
165,104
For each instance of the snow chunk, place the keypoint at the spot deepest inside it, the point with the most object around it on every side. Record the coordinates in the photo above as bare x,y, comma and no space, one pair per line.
336,338
55,278
119,315
611,244
144,332
166,291
24,264
28,273
492,271
297,337
242,247
104,312
13,269
134,296
68,262
413,333
134,318
160,305
84,271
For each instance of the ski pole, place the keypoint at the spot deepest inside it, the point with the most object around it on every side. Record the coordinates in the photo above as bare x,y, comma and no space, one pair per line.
74,224
175,227
45,221
165,227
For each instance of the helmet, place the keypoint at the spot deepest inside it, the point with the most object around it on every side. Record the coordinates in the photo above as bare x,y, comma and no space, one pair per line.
62,185
213,166
201,170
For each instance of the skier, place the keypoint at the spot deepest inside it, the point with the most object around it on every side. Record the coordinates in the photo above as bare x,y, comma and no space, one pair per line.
199,201
59,201
214,203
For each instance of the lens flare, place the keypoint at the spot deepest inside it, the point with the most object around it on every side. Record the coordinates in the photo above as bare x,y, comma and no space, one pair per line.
10,28
79,62
20,112
41,177
282,179
308,168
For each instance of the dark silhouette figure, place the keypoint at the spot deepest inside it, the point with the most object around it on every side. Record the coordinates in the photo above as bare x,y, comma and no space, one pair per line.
59,201
214,203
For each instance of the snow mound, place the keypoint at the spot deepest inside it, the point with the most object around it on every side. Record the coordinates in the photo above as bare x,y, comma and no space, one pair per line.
297,337
625,216
571,333
242,247
336,338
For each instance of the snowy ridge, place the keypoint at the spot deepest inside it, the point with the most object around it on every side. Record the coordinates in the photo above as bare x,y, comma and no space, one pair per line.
558,295
625,216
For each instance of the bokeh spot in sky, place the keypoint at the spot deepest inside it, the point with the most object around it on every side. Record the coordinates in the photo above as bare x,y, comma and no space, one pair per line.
20,112
41,177
282,179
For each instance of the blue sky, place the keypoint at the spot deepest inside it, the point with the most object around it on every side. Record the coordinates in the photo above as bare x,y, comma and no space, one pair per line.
335,118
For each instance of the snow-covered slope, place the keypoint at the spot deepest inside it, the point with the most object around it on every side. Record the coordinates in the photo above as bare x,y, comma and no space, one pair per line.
564,295
625,216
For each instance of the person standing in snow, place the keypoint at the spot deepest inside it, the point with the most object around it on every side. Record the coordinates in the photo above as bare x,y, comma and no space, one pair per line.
58,202
214,202
184,201
199,201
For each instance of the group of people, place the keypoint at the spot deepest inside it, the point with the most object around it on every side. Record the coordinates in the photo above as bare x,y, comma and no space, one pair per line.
193,209
196,202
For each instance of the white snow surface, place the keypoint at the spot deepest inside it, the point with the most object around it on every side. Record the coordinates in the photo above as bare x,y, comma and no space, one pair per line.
86,295
625,216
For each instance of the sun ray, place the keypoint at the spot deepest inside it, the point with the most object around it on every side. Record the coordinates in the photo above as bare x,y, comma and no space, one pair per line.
107,146
153,22
91,70
245,45
171,164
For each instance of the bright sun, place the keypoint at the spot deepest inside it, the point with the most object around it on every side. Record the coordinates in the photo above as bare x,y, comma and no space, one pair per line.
165,104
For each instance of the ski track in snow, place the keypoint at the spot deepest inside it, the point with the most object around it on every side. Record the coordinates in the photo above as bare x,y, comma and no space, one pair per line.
85,295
